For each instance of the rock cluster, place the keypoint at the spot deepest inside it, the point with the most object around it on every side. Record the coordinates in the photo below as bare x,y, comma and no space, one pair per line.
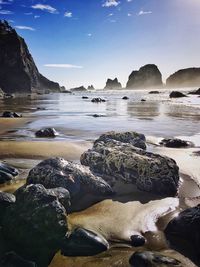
17,62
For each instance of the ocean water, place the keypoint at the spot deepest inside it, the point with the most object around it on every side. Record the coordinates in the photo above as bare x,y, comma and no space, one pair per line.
73,118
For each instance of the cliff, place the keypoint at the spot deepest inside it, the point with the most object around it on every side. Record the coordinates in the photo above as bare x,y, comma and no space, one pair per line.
148,76
18,72
113,84
184,78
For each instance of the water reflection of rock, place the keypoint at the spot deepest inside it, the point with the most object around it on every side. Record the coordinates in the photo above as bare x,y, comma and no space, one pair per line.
143,110
182,112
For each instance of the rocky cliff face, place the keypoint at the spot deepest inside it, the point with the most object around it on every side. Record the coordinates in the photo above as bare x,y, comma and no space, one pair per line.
184,78
148,76
18,72
113,84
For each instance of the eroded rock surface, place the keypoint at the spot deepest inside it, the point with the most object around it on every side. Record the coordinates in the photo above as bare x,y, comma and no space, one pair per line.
117,161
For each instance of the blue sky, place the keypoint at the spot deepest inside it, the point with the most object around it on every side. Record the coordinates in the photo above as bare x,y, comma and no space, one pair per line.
82,42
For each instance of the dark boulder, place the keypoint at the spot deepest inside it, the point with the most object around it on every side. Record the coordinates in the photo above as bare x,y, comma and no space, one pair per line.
184,78
98,100
147,76
123,162
47,132
153,259
183,233
85,97
83,242
154,92
7,173
6,200
10,114
133,138
143,100
125,97
176,94
113,84
18,72
11,259
175,143
35,224
78,180
196,92
137,241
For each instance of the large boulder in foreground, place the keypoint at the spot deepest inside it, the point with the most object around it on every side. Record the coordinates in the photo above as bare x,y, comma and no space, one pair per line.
35,224
148,76
112,84
6,199
133,138
84,187
184,78
122,162
18,72
183,233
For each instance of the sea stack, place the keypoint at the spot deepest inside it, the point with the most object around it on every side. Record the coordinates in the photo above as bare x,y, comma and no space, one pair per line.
148,76
113,84
18,72
184,78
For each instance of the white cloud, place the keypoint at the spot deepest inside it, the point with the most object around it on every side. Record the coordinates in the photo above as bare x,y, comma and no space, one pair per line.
129,14
110,15
66,66
110,3
129,0
25,28
141,13
28,13
89,34
47,8
68,14
36,17
6,12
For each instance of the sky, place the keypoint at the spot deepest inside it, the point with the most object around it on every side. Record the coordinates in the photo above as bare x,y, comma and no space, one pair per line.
83,42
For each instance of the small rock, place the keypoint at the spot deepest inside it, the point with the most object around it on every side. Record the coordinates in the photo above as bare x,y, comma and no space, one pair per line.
85,97
98,115
7,173
176,94
47,132
98,100
125,98
83,242
9,114
175,143
152,259
137,240
143,100
154,92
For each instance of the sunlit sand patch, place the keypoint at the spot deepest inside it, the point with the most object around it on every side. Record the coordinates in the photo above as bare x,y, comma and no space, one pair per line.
43,149
111,258
10,123
117,221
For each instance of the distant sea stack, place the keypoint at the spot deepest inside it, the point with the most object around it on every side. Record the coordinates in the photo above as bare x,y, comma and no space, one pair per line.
184,78
18,72
78,89
113,84
148,76
90,87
